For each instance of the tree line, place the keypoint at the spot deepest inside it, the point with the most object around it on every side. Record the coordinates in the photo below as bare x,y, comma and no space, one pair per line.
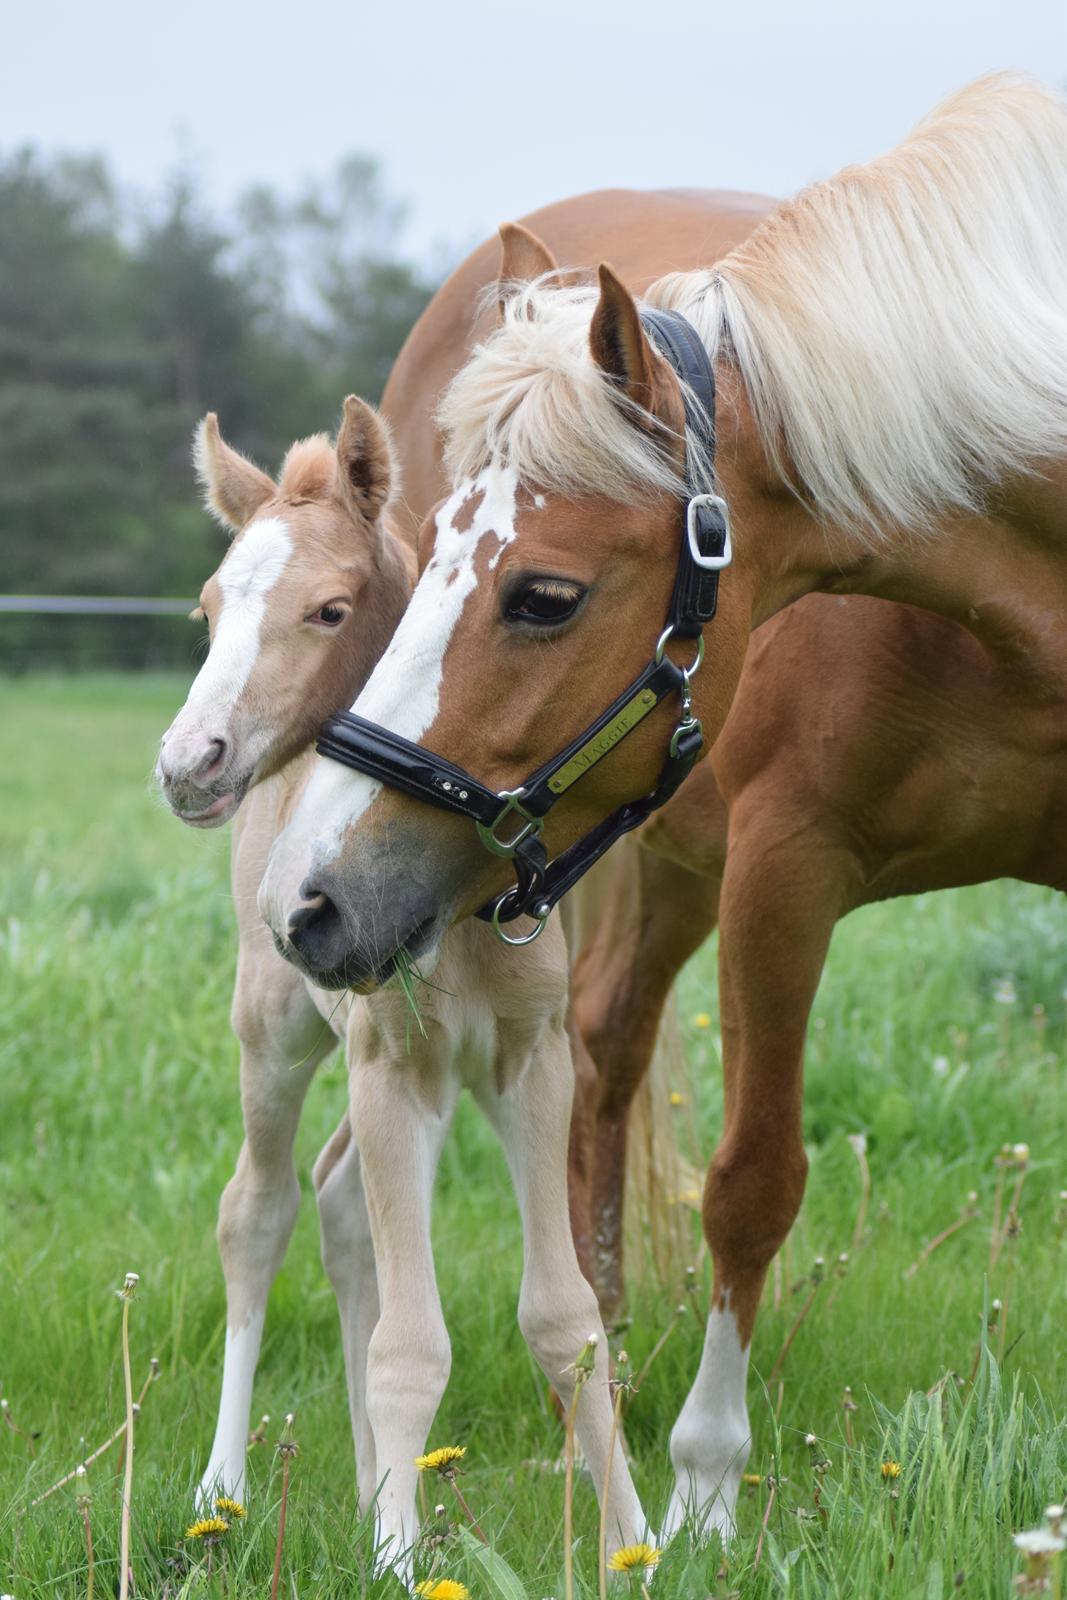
120,327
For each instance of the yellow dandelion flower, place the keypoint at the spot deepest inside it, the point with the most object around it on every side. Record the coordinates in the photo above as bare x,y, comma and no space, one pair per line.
443,1589
208,1528
890,1469
442,1460
230,1508
632,1556
754,1478
677,1098
702,1020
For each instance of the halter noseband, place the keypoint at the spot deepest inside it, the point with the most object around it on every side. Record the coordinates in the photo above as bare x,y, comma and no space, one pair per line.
510,823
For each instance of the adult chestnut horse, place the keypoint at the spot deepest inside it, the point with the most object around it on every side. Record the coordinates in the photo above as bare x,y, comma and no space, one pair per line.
890,359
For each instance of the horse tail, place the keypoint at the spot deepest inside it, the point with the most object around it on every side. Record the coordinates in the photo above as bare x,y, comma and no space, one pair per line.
663,1183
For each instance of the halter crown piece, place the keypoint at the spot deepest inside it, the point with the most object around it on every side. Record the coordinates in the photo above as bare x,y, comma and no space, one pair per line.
511,823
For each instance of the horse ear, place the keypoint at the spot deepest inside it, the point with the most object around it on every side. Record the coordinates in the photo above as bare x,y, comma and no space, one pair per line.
366,469
618,341
523,257
233,488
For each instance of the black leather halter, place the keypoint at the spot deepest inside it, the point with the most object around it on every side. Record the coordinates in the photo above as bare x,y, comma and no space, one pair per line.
510,823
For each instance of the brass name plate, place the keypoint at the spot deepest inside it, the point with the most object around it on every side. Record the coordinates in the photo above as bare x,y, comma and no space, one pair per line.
602,742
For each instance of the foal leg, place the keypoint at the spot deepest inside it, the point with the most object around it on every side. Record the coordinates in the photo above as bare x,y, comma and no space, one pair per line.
348,1257
401,1110
557,1307
781,897
283,1038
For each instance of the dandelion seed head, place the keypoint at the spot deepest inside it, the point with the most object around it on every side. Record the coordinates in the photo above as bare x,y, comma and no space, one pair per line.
1040,1542
858,1141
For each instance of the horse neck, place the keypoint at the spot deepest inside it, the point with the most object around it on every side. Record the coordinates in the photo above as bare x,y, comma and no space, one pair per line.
1002,575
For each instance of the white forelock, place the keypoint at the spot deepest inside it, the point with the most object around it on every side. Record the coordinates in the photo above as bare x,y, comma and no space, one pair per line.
533,399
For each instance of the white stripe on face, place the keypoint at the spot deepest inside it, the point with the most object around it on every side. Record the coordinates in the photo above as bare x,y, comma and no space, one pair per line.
403,692
246,577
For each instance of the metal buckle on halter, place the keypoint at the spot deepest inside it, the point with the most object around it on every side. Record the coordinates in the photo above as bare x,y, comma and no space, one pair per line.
506,847
710,502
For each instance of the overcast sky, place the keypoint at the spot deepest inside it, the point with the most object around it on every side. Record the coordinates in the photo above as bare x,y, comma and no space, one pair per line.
482,112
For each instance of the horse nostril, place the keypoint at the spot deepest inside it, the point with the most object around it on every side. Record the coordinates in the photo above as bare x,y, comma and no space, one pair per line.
316,931
212,761
316,907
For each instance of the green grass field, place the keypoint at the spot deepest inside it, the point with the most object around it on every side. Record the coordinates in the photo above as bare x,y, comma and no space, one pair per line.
120,1124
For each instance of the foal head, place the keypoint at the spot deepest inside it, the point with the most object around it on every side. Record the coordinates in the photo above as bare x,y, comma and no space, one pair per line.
547,578
300,609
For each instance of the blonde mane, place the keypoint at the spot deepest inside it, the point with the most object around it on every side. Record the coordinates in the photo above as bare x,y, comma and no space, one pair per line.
901,331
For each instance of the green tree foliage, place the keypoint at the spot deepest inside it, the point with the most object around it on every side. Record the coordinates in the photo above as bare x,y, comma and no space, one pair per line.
116,335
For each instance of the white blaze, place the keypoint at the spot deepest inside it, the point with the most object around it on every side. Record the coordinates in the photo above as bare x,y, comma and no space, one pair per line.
403,692
246,577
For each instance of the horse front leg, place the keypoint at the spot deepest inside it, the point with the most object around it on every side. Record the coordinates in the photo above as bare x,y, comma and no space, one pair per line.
348,1257
778,909
620,991
557,1306
401,1107
283,1039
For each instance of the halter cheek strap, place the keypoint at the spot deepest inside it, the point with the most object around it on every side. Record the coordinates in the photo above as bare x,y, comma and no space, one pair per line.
510,823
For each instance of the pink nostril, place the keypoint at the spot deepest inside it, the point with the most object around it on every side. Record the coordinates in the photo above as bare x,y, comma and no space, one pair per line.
212,762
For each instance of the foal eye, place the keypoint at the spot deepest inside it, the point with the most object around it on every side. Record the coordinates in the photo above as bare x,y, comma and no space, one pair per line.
329,616
544,602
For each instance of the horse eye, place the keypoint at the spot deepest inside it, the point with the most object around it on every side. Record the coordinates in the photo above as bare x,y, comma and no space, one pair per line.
545,602
329,616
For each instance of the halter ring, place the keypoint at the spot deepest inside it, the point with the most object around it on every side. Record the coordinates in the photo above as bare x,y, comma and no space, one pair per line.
526,938
661,645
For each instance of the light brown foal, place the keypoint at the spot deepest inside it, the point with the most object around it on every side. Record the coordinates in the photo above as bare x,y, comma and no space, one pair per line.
300,608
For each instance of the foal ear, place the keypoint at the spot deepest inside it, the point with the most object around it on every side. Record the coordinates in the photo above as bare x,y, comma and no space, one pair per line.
366,470
618,341
233,488
523,257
